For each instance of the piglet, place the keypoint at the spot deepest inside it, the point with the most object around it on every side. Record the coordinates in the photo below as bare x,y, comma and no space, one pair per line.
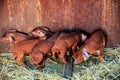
41,32
94,44
24,47
42,50
65,42
14,36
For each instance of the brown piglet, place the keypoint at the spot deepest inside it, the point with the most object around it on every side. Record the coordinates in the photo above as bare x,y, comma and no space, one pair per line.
14,36
43,49
24,47
94,44
40,32
65,42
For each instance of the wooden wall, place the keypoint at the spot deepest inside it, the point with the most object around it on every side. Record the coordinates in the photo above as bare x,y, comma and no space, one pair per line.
87,15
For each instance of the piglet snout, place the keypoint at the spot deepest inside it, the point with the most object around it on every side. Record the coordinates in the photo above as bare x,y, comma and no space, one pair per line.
1,40
75,62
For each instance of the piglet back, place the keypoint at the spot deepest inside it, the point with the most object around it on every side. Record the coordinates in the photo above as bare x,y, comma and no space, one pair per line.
57,34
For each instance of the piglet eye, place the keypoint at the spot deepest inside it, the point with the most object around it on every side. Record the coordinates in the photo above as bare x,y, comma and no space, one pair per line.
80,56
5,38
38,32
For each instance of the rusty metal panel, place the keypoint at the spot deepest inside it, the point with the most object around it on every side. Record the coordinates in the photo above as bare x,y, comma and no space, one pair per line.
56,14
87,15
110,21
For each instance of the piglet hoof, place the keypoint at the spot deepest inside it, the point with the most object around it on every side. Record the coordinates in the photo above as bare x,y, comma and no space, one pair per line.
75,62
21,63
53,57
102,61
64,61
40,67
68,53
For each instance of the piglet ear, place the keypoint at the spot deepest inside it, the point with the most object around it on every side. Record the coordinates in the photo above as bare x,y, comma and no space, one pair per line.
41,34
2,39
84,37
11,38
12,30
86,55
45,28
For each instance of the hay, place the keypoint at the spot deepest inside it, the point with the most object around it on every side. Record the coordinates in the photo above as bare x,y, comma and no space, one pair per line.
91,69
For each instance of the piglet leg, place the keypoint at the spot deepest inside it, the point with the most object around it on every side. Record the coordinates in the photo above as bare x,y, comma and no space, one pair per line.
74,48
53,54
100,55
18,58
62,55
38,58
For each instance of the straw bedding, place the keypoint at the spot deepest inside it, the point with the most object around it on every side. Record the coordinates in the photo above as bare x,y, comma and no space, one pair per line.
91,69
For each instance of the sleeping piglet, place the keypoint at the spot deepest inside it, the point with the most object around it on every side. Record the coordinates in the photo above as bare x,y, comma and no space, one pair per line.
14,36
40,32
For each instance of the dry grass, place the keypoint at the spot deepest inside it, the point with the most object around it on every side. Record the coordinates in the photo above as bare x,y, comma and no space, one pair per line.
92,69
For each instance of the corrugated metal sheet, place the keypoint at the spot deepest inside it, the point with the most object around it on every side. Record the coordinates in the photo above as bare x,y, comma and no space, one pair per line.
87,15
